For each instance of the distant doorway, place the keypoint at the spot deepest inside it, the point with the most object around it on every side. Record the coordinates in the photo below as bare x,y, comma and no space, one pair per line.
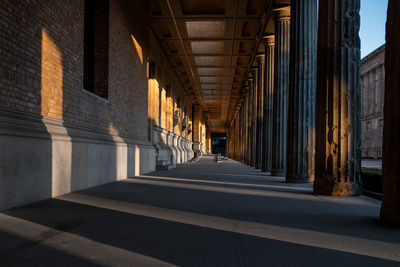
218,144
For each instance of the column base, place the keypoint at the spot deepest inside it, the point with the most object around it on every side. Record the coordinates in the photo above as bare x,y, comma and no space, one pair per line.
278,172
299,179
258,166
333,188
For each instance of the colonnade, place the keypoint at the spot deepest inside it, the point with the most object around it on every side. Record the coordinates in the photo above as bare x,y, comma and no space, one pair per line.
284,126
310,135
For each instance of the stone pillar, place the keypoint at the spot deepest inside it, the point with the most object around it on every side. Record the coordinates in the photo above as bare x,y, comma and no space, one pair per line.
256,132
338,131
269,45
243,118
254,72
247,127
281,88
250,135
251,111
302,89
240,139
260,110
390,211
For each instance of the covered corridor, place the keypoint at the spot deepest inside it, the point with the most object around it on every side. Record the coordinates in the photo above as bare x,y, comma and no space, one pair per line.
108,109
199,214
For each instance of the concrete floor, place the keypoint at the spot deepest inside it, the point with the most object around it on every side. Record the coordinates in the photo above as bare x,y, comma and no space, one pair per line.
200,214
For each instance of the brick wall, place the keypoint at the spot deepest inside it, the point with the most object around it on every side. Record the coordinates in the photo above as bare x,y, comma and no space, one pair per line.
41,64
165,80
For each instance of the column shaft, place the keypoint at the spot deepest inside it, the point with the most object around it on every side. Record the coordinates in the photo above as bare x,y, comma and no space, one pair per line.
251,128
338,133
258,115
390,210
260,110
269,44
247,128
301,110
254,118
281,87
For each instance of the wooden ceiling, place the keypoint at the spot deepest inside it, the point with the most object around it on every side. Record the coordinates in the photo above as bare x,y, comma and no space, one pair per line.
211,44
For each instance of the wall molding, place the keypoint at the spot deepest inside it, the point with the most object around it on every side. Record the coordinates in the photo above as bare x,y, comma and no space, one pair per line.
21,124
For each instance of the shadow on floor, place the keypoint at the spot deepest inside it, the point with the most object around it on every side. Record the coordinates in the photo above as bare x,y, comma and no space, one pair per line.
197,219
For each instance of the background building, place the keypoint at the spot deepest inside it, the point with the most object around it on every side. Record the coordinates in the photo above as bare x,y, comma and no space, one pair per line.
372,96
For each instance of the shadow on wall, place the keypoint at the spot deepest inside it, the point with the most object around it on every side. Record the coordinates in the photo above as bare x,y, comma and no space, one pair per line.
25,144
63,147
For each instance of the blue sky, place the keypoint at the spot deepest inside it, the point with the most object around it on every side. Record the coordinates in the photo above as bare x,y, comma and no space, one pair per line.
372,28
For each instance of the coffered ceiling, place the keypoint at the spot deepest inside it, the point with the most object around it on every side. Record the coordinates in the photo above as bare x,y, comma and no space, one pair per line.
211,44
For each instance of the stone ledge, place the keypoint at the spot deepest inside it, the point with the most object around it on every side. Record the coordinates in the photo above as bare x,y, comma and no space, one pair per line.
13,123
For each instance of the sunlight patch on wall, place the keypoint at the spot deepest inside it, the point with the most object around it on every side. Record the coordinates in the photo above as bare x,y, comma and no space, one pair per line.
51,78
139,50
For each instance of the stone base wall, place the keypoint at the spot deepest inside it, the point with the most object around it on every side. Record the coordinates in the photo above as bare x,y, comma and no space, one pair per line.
44,157
171,148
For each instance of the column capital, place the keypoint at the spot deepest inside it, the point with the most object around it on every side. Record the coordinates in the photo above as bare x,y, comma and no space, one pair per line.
269,40
281,14
254,70
260,58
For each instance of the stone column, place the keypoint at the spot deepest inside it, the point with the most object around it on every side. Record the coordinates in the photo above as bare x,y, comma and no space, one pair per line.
241,141
302,89
281,88
251,114
247,127
390,210
244,128
338,131
260,110
254,72
256,134
269,45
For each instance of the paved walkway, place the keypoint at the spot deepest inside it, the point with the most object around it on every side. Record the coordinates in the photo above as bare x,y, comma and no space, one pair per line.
200,214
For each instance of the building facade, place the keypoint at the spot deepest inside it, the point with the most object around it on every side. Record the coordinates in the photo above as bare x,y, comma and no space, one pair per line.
94,91
372,70
87,97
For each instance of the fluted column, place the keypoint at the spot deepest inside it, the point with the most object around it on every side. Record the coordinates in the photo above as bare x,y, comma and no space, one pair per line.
260,100
269,45
303,74
338,134
260,110
281,88
251,125
242,129
390,211
243,139
247,128
255,108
